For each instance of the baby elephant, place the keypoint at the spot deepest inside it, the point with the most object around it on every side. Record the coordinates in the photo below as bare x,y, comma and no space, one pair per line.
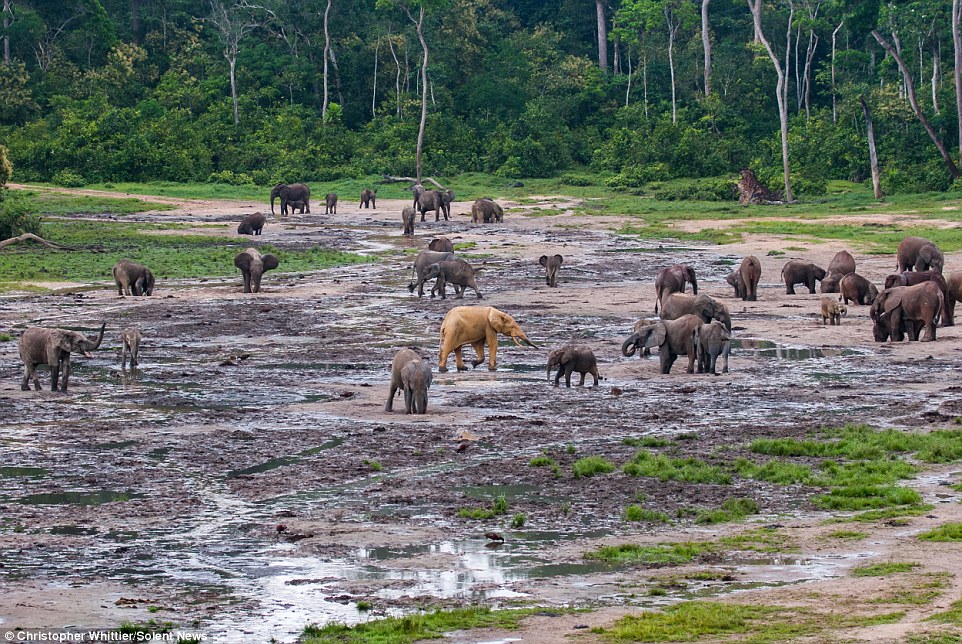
252,224
551,267
368,198
710,341
413,375
833,310
407,217
441,245
572,358
133,278
131,340
294,205
456,271
330,204
253,265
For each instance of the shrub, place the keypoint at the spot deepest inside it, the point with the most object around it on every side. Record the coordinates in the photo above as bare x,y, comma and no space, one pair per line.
231,178
590,465
69,179
16,217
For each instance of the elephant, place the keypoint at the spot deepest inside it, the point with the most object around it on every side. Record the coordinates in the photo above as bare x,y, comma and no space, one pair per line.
907,309
832,310
408,216
253,265
672,280
132,278
421,263
745,279
953,293
252,224
919,253
290,192
330,204
477,326
368,197
855,288
442,245
710,341
456,271
53,347
552,265
672,337
704,306
131,340
841,265
640,325
432,200
798,272
573,358
295,205
447,198
417,190
486,210
410,373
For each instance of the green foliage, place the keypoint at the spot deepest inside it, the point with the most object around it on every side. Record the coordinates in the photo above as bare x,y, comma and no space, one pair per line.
541,461
499,506
946,532
230,178
663,553
638,513
591,465
733,509
69,179
883,569
690,470
645,441
16,216
518,521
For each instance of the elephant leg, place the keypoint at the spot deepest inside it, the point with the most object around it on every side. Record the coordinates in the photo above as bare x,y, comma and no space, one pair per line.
568,369
789,289
458,360
594,372
491,336
691,360
557,377
811,285
443,352
479,353
389,406
28,370
408,400
583,374
65,376
665,358
726,350
948,315
476,292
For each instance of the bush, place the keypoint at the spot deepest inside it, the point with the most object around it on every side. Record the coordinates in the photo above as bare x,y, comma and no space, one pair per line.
231,178
69,179
638,176
912,179
590,465
576,181
696,190
16,218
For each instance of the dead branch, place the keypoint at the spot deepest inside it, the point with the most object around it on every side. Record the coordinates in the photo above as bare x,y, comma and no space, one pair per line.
413,180
39,240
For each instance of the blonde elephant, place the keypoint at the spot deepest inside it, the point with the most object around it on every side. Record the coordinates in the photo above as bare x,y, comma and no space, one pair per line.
477,326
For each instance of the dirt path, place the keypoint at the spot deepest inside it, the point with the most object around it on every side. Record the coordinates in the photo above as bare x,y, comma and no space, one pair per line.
246,478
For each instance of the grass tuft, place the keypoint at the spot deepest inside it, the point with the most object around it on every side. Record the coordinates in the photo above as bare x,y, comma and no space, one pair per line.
689,470
591,465
947,532
883,569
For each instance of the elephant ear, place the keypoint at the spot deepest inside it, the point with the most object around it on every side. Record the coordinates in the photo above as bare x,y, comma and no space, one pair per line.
270,262
656,336
892,301
543,261
560,259
62,340
690,274
243,261
819,273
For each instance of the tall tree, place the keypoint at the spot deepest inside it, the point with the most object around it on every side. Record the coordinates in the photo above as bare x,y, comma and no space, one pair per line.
232,23
327,54
957,71
602,34
872,152
7,14
706,45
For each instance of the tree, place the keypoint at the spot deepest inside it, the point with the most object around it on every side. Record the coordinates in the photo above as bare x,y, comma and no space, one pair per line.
957,71
706,45
327,54
7,15
602,35
232,23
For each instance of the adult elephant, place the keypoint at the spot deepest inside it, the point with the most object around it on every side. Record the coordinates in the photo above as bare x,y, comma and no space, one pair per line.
291,192
253,265
477,326
417,190
330,203
432,200
486,210
841,265
252,224
571,358
704,306
953,293
911,278
920,254
411,374
799,272
53,347
441,245
133,278
423,260
907,309
745,278
672,337
672,280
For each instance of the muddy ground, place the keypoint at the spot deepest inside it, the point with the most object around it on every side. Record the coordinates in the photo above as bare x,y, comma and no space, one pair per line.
245,480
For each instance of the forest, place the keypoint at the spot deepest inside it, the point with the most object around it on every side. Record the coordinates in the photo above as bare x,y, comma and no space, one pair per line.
616,92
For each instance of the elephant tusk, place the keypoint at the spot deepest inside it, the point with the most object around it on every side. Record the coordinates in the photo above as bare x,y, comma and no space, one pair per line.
88,354
530,343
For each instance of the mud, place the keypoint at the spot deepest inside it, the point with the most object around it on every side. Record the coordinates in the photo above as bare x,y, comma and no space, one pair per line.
246,480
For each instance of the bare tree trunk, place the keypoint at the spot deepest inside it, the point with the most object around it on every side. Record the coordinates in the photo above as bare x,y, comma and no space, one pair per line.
872,153
957,72
807,76
134,21
232,60
936,60
919,114
39,240
602,35
672,32
780,92
377,45
7,12
337,78
397,79
835,96
788,49
799,93
706,45
327,50
419,23
644,78
616,46
628,91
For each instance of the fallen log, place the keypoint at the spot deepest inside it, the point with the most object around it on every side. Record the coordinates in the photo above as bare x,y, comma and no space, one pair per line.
389,179
32,237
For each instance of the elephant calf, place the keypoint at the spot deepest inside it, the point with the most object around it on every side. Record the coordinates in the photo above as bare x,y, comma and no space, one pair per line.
832,310
456,271
799,272
745,279
432,200
953,293
294,205
412,375
855,288
424,259
253,265
441,245
133,278
710,341
486,210
552,266
672,337
368,197
573,358
408,217
131,339
53,347
252,224
330,204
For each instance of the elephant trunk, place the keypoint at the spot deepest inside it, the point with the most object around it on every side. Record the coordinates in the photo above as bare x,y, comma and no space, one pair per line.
93,347
529,343
630,345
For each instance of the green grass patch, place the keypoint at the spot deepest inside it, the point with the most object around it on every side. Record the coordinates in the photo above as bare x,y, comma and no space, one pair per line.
774,471
589,466
765,540
689,470
734,509
541,461
498,506
662,553
883,569
866,497
951,616
848,535
645,441
946,532
887,514
60,204
638,513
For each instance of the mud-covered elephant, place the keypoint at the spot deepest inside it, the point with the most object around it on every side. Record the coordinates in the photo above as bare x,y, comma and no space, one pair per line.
253,265
832,310
953,293
672,280
368,198
456,272
411,374
912,310
432,200
571,358
53,347
133,278
552,266
330,204
841,265
745,278
486,210
855,288
477,326
130,337
798,272
290,192
441,245
919,253
419,269
710,341
408,216
252,224
704,306
672,337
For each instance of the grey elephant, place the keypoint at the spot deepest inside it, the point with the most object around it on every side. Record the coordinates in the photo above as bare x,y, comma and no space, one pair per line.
907,309
412,375
911,278
953,293
130,337
447,198
330,204
920,254
672,337
672,280
432,200
253,265
704,306
441,244
408,217
252,224
424,259
417,190
710,341
486,210
798,272
841,265
53,347
455,271
832,310
133,278
552,266
368,198
745,278
294,206
573,358
290,192
855,288
641,325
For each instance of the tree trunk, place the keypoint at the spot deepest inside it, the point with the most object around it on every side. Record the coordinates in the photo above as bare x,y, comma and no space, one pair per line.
807,76
232,60
919,114
834,95
602,35
419,23
7,12
872,153
935,76
337,78
672,31
40,240
706,45
957,42
628,91
616,47
397,79
327,50
135,21
377,45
